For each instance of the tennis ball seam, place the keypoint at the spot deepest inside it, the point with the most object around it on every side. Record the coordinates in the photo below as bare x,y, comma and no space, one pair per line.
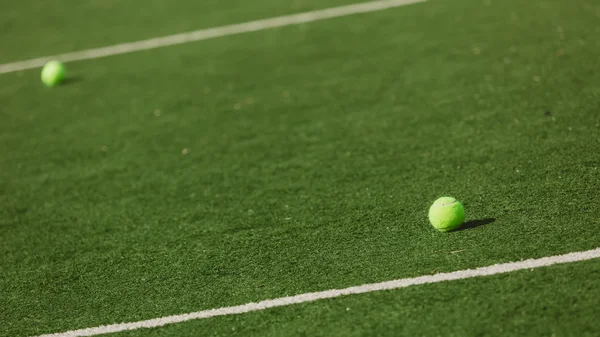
446,204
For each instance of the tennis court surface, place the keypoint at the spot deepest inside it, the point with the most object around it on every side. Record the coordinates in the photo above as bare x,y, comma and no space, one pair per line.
203,157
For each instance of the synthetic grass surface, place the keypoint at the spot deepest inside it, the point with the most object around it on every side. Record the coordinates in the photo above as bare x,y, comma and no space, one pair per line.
298,159
41,28
551,301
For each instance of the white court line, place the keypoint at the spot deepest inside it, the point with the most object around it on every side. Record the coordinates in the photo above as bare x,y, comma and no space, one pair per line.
310,297
210,33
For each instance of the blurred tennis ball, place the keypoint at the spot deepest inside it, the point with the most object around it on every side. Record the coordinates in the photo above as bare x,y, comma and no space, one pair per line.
53,73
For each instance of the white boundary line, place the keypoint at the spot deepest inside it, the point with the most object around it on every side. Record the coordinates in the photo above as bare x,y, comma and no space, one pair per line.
310,297
210,33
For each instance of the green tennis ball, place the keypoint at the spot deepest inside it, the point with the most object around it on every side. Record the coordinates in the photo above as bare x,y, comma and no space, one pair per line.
53,73
446,214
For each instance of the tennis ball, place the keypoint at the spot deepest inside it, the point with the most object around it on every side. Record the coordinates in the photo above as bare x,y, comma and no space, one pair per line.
446,214
53,73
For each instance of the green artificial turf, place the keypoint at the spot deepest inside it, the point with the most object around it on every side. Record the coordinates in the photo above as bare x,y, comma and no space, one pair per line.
302,159
42,28
551,301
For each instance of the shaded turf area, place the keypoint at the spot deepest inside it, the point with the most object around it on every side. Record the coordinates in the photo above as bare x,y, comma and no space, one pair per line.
303,159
